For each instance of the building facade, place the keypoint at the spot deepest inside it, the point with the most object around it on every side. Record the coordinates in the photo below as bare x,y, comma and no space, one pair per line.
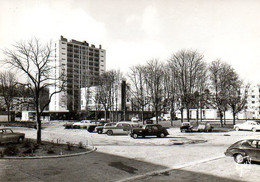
79,64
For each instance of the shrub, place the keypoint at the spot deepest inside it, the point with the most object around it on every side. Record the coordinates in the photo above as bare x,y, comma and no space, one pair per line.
50,149
81,145
11,150
30,146
69,146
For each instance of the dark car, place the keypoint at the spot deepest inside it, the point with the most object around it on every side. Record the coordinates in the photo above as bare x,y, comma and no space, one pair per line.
186,127
8,136
245,150
149,130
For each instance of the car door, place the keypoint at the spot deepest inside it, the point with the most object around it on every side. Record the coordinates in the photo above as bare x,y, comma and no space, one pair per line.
155,130
7,136
119,129
149,130
250,149
126,128
249,126
256,150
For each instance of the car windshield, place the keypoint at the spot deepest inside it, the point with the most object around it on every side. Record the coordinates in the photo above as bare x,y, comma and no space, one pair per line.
185,124
7,131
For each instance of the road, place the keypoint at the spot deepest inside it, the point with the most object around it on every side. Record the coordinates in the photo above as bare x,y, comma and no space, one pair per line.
179,157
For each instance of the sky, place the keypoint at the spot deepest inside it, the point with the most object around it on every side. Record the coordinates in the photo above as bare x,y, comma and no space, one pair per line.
135,31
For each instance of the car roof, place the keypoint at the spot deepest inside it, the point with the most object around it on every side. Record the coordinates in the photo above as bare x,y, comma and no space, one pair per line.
5,128
250,138
153,125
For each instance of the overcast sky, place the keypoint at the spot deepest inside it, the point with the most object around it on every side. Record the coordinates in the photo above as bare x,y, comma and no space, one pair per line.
134,31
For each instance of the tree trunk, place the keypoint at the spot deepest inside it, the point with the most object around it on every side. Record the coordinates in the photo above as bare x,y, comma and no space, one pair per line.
221,118
197,116
224,117
143,115
39,134
234,118
8,113
156,115
182,115
105,114
172,116
188,114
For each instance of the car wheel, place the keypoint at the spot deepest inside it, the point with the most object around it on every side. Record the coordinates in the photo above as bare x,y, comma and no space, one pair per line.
162,135
109,132
237,128
99,131
254,129
20,140
239,158
135,136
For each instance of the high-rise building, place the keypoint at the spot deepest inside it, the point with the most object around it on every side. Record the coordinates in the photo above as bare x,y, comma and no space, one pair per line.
80,64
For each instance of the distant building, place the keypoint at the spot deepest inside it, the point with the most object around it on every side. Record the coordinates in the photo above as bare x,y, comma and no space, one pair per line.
81,64
252,109
119,97
19,104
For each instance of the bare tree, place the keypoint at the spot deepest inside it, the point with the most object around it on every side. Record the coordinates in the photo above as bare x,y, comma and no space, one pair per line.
222,77
237,99
171,101
8,89
154,80
105,90
34,60
138,88
189,70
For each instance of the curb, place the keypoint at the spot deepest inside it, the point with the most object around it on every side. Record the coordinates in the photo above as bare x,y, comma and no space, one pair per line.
92,149
141,176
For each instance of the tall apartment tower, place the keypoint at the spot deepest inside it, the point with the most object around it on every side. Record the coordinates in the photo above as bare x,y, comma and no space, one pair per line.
81,64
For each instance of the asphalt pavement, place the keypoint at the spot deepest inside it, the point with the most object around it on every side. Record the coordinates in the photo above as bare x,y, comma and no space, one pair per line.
196,157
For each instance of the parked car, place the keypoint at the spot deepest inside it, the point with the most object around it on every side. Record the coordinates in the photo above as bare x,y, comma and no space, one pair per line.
99,129
248,125
68,125
121,127
149,130
154,118
8,136
135,119
205,127
245,150
86,124
166,117
202,127
186,127
149,121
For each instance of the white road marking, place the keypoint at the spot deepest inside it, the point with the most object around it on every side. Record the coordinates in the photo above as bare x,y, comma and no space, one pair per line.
171,169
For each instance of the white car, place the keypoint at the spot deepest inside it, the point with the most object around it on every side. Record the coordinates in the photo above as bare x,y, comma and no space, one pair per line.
166,118
83,124
121,127
249,125
135,119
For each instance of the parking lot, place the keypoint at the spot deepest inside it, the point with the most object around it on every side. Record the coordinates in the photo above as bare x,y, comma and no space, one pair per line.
182,156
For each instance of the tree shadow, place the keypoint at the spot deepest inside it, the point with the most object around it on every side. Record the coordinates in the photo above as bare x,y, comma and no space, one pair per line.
97,166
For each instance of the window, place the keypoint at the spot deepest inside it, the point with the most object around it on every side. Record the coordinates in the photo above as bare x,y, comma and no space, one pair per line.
253,102
253,96
254,143
119,125
155,129
126,125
